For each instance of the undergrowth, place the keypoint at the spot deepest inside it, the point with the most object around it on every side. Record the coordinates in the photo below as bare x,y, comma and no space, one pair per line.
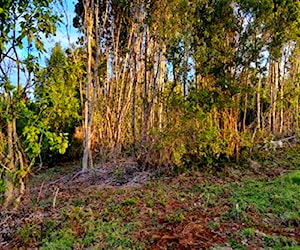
189,211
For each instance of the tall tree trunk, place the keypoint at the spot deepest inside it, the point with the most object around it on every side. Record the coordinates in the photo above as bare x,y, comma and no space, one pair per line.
9,192
133,110
259,103
145,91
161,83
86,161
275,91
185,74
15,162
281,100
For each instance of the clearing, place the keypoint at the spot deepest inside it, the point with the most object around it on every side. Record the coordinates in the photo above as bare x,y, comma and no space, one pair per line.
118,206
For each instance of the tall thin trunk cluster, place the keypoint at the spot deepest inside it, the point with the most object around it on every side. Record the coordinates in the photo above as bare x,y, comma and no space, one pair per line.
130,104
136,69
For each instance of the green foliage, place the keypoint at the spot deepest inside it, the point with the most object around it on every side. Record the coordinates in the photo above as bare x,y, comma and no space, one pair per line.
175,217
22,23
36,18
129,202
57,94
98,233
58,142
279,197
192,135
59,239
30,233
248,232
239,210
2,186
296,177
280,242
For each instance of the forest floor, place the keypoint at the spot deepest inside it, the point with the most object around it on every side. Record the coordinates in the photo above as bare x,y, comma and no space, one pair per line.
119,206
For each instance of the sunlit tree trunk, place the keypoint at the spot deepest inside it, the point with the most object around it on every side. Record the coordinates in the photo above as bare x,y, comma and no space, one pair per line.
145,91
258,107
86,161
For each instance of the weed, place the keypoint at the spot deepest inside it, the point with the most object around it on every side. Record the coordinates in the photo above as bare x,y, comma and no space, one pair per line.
129,202
60,239
30,233
78,202
175,217
278,242
120,191
46,203
212,225
117,173
150,203
248,233
296,177
236,245
49,226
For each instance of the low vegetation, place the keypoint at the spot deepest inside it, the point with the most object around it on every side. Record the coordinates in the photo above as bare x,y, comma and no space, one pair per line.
236,207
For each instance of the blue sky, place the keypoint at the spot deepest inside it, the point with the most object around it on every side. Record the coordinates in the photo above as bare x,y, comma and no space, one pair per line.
64,30
68,20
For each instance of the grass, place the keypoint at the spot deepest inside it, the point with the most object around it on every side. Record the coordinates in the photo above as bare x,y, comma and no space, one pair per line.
189,211
277,197
98,234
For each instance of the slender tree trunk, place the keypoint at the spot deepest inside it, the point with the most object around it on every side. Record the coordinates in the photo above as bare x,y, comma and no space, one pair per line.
161,83
259,103
133,111
185,74
295,71
145,91
15,161
9,192
275,91
281,101
86,162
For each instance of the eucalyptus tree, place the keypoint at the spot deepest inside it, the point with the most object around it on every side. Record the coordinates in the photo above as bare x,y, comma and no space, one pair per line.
188,77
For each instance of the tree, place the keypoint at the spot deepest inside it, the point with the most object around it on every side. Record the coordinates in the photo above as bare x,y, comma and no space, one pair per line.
173,66
22,25
57,95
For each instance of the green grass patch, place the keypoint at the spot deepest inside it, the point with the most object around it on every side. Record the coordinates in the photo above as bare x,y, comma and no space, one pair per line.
93,234
296,177
279,196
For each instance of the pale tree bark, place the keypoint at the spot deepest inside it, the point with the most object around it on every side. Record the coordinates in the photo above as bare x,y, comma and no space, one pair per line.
245,103
185,74
259,103
271,95
275,91
296,72
96,72
9,192
15,161
282,80
86,161
133,107
274,83
145,91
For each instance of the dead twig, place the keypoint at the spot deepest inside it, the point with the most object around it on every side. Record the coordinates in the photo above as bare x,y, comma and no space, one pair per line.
55,197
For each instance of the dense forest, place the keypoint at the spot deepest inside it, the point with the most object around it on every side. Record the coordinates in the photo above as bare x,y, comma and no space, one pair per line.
173,85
